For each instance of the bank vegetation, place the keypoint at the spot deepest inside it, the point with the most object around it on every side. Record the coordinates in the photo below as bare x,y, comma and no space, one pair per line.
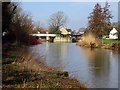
90,41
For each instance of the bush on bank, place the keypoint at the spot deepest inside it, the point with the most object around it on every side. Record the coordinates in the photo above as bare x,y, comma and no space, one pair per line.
89,41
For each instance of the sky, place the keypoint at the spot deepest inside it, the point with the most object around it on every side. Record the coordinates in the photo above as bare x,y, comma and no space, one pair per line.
77,12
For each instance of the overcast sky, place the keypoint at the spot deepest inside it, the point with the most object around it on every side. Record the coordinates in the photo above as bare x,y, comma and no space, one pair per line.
77,12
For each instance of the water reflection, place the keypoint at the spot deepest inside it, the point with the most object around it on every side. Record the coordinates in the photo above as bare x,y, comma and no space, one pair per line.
56,56
96,67
99,60
99,65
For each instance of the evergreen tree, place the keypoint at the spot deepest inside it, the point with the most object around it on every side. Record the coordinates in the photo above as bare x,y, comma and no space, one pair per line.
107,16
95,20
99,20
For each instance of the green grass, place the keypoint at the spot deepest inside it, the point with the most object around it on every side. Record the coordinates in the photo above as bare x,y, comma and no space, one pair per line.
109,41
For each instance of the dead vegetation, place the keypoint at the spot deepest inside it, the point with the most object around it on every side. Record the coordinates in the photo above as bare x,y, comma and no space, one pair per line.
89,41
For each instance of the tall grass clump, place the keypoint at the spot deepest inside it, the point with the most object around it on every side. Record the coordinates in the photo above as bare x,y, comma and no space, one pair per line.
89,40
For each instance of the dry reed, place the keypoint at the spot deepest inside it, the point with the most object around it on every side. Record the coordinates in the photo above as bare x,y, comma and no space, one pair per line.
89,41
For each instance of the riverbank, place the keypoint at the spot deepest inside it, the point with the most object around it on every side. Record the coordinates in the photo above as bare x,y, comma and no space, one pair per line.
91,42
112,46
22,70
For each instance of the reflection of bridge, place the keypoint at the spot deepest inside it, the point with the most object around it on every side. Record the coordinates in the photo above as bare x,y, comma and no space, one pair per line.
45,35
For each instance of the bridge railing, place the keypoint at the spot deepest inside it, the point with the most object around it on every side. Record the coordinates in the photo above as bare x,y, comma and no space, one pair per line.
47,35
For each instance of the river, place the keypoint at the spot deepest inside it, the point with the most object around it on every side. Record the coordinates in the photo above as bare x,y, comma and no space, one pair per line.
98,68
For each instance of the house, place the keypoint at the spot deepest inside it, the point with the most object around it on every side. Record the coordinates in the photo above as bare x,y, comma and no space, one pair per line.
80,32
65,35
113,34
65,31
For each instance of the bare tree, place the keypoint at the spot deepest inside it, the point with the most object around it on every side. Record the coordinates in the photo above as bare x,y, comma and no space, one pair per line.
15,23
57,20
22,26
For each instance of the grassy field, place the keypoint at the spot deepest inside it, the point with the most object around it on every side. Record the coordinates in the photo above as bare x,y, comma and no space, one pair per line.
111,44
109,41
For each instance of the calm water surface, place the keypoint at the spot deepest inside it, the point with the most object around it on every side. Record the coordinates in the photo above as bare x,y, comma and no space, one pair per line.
98,68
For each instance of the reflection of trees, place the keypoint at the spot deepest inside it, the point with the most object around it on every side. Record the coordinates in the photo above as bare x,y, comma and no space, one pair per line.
59,51
99,63
99,60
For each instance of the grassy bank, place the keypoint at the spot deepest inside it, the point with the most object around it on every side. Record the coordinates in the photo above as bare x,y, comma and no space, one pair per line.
22,70
109,41
91,41
111,44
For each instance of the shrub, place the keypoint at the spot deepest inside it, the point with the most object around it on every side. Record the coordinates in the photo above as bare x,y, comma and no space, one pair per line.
89,41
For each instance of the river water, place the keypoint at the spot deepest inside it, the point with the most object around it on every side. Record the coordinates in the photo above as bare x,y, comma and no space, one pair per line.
98,68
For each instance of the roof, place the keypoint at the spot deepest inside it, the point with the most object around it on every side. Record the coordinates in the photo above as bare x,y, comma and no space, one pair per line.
113,31
69,30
